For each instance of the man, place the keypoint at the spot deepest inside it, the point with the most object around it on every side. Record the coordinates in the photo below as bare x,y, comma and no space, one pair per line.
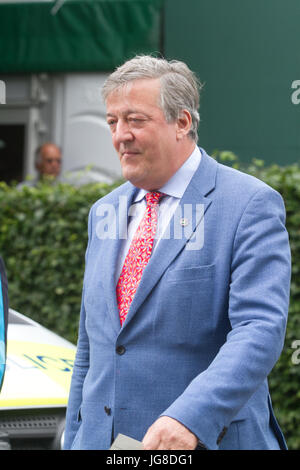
183,319
48,160
3,319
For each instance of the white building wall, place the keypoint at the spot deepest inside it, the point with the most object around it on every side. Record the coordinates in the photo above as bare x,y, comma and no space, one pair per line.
66,109
80,123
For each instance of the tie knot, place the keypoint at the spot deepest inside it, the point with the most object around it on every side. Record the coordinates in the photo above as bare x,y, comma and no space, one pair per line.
153,197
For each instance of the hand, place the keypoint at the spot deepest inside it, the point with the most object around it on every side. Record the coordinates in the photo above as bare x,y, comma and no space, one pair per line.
168,434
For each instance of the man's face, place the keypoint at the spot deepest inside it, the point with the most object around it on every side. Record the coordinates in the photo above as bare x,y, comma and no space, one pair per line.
145,141
50,161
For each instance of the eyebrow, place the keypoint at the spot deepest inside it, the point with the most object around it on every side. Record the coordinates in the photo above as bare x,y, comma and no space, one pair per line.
129,111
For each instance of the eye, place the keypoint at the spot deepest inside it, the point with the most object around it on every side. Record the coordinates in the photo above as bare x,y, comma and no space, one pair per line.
137,121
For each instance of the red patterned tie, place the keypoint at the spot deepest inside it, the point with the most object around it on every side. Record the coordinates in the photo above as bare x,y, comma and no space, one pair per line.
138,255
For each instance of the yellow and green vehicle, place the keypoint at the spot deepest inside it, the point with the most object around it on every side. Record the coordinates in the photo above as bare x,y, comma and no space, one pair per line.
35,389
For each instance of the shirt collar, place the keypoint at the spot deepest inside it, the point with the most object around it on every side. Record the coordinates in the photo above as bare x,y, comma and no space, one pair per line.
178,183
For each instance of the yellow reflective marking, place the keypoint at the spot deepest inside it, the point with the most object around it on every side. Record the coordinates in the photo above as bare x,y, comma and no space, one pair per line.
36,374
55,361
33,402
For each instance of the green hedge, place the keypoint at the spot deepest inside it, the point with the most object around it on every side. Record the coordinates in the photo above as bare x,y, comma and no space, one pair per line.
43,236
285,378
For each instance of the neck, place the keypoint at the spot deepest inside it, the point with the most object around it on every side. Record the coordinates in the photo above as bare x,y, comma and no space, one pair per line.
184,152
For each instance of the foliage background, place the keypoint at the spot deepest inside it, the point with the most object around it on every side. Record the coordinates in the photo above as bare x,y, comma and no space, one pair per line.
43,237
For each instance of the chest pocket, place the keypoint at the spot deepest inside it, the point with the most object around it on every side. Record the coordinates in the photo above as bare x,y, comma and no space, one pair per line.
184,311
191,274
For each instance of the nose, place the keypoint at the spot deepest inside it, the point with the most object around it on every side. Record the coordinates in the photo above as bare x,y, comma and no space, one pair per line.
122,133
54,163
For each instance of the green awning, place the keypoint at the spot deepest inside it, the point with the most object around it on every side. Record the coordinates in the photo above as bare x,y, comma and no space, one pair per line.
76,35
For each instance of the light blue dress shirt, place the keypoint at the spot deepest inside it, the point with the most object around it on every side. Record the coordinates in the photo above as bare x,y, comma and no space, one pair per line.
174,190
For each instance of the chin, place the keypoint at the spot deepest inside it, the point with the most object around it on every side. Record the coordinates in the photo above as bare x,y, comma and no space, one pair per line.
131,175
140,179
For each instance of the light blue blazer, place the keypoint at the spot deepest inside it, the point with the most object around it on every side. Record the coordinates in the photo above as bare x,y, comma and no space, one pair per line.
206,325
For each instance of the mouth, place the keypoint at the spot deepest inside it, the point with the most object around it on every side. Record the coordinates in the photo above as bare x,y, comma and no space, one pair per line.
129,153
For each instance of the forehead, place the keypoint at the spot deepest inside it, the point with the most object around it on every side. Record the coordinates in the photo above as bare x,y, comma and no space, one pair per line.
136,95
50,151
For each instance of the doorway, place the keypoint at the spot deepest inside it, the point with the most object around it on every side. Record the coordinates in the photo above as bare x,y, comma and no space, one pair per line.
12,140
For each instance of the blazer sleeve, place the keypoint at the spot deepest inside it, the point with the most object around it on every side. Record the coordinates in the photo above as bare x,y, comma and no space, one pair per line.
3,319
258,308
81,367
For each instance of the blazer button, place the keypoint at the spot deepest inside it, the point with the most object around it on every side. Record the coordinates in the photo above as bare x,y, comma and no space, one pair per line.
107,410
120,350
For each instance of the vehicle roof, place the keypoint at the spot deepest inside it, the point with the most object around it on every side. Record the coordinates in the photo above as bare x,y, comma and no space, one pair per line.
35,332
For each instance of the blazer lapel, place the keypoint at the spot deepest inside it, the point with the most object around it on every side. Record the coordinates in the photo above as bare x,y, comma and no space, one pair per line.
112,251
196,200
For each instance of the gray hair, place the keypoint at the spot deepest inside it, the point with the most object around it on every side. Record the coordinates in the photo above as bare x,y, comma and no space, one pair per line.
38,154
179,86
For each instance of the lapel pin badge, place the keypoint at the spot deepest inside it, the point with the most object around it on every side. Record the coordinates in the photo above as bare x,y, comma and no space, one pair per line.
184,222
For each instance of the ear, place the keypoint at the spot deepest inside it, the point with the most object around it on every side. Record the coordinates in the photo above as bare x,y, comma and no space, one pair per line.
184,124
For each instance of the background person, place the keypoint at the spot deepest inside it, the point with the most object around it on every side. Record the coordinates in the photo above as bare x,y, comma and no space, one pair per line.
48,159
